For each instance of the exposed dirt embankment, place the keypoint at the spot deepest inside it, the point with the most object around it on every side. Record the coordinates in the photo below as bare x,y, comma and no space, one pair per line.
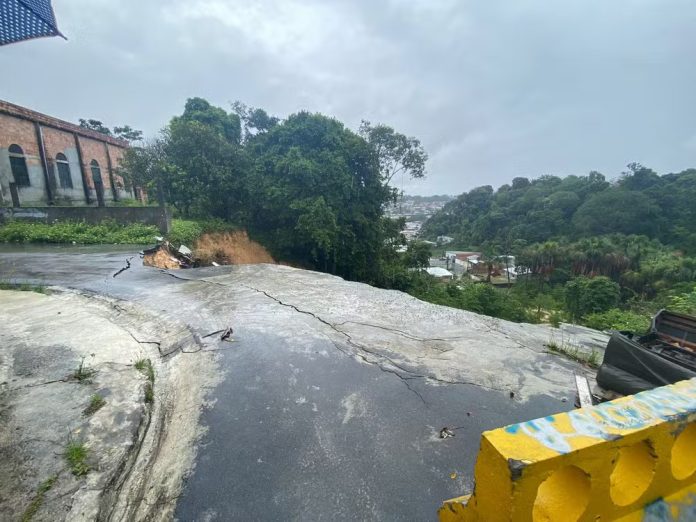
212,249
230,248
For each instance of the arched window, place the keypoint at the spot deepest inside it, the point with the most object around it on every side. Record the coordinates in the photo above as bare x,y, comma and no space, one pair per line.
18,163
64,171
96,172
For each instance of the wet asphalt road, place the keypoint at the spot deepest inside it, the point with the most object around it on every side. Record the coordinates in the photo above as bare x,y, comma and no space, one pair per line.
298,428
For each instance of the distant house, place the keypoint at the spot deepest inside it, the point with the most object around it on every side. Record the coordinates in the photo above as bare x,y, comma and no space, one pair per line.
412,229
439,272
444,240
462,258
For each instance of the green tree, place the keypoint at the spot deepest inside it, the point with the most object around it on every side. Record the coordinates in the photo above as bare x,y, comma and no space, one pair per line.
584,295
95,125
617,211
417,255
395,152
209,170
128,133
317,197
124,133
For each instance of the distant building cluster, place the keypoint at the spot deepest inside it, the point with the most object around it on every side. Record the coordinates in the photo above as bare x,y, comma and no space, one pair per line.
409,206
500,270
416,210
47,161
412,229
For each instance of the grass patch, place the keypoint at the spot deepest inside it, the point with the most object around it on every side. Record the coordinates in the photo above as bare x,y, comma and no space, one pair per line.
22,287
36,503
107,232
615,319
145,366
187,232
96,402
570,351
76,455
83,373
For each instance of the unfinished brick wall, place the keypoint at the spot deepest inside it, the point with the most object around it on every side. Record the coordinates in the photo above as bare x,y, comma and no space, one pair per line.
20,132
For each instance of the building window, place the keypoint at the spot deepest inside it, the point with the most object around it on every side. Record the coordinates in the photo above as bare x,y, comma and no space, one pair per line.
96,172
18,163
64,171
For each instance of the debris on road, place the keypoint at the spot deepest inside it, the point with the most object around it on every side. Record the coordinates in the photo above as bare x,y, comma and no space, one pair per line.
664,355
226,334
583,391
128,265
165,256
446,433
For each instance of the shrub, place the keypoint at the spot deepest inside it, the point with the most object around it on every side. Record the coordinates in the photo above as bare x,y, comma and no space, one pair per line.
684,303
616,319
476,297
107,232
584,295
187,232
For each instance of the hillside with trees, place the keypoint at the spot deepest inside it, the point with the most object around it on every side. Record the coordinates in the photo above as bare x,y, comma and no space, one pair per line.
640,202
606,254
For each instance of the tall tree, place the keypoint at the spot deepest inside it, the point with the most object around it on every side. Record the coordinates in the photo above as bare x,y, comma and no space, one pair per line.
318,196
395,152
128,133
211,165
95,125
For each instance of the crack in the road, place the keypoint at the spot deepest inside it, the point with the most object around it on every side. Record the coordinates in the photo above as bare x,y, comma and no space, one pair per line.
410,374
362,348
39,384
402,333
158,343
128,265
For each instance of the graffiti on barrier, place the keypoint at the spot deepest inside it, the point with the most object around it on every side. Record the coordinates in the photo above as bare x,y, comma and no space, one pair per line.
609,421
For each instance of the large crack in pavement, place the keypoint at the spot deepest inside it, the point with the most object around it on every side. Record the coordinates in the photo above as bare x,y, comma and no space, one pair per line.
404,374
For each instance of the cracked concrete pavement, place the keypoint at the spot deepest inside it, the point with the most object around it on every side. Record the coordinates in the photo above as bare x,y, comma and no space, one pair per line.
328,402
43,406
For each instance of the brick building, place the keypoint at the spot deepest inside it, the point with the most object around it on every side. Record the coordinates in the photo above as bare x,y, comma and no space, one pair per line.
44,160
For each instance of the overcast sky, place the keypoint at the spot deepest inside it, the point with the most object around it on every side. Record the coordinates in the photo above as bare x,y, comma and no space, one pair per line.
493,89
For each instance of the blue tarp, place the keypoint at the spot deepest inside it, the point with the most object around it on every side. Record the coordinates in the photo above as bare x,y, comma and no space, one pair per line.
26,19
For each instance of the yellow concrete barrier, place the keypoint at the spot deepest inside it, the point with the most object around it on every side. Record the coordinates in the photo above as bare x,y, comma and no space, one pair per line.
630,459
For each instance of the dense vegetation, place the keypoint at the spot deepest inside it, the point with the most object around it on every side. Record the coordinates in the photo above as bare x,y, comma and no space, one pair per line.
604,254
640,202
107,232
309,189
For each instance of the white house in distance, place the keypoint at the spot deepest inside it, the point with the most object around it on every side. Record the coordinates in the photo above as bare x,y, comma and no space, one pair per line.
444,240
439,272
462,258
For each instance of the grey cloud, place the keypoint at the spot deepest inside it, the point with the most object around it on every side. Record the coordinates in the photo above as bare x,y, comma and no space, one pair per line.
494,89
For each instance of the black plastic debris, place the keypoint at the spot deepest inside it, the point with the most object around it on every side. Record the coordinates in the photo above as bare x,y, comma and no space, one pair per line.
664,355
